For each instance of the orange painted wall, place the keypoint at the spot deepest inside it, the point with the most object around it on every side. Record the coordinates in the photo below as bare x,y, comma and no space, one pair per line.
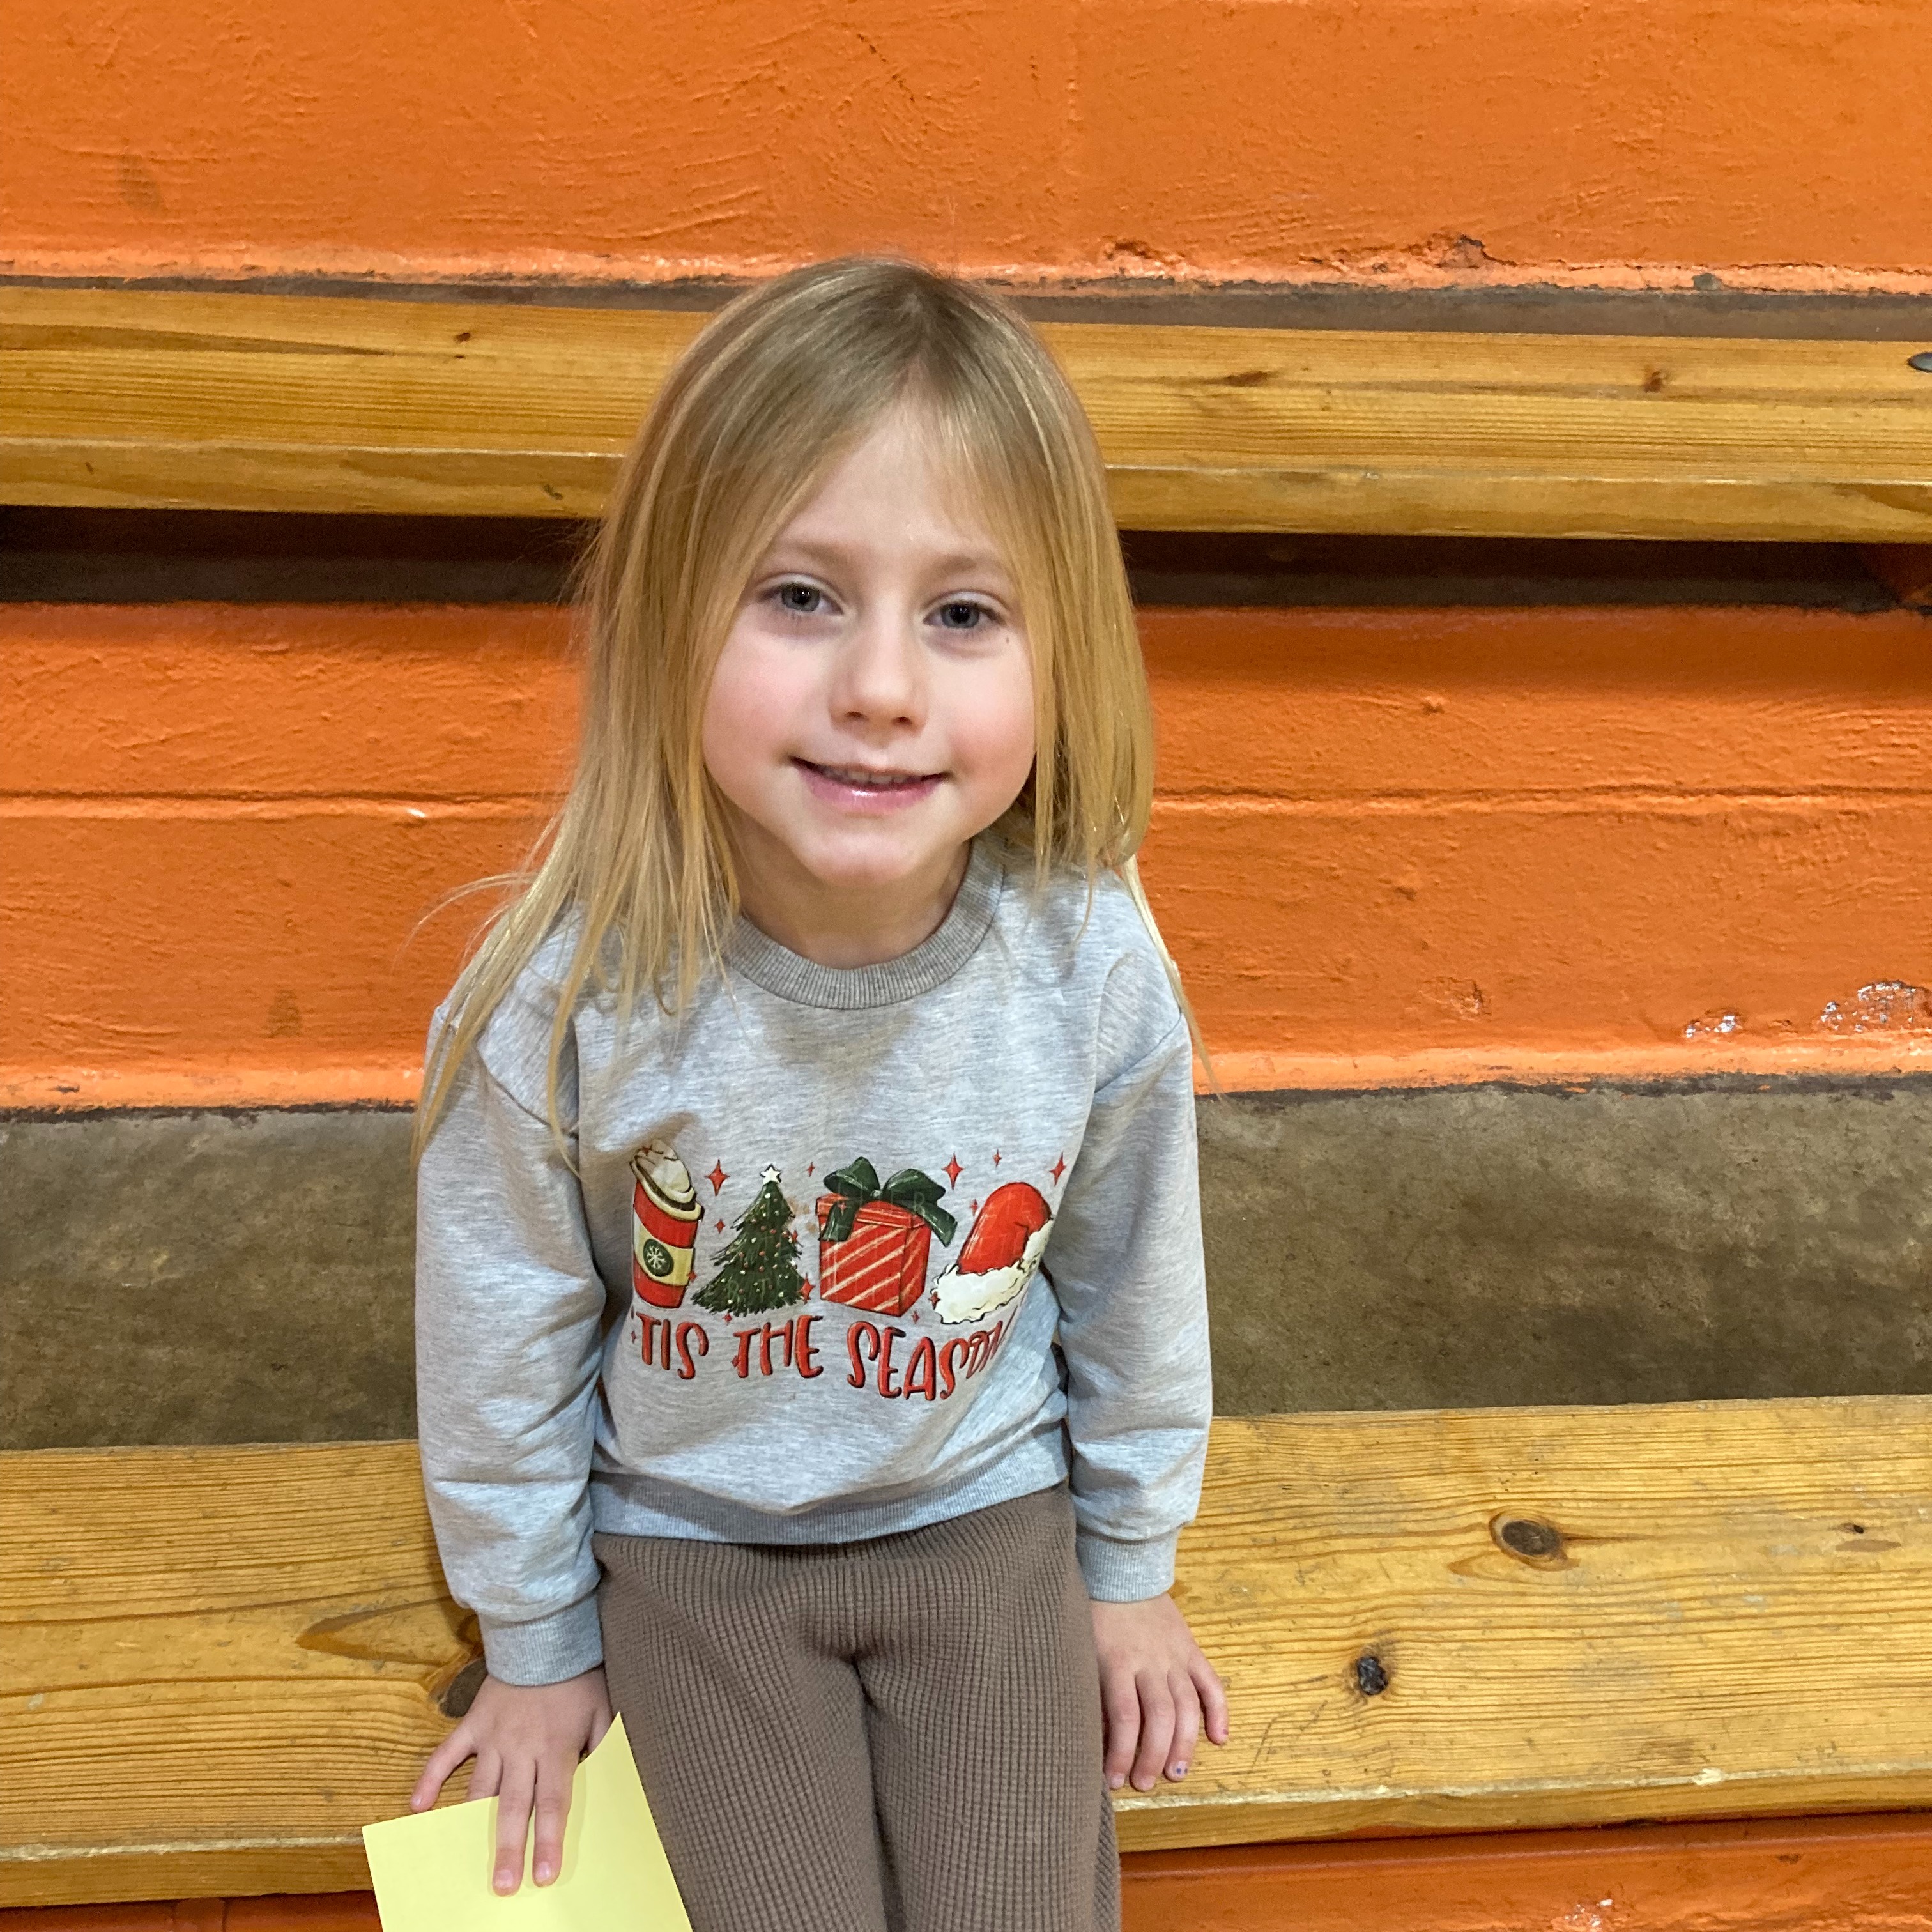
1858,1874
1390,845
1776,141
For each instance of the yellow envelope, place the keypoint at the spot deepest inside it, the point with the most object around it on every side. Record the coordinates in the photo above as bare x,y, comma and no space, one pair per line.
432,1870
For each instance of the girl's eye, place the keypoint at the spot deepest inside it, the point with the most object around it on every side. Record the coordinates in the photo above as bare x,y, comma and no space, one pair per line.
802,600
962,615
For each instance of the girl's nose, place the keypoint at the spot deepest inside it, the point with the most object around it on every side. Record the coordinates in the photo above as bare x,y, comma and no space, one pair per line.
879,678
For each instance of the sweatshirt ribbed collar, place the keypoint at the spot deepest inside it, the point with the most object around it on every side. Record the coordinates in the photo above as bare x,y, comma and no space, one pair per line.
763,960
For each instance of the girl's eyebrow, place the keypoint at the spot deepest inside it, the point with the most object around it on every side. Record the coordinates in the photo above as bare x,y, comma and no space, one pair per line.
809,550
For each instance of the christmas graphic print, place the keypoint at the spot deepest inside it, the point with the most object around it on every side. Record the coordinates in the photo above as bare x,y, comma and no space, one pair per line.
881,1253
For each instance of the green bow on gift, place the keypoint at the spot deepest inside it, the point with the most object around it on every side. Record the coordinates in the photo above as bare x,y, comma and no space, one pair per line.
917,1193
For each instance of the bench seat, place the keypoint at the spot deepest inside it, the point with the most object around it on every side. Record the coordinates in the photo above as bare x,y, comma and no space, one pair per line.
216,1664
118,398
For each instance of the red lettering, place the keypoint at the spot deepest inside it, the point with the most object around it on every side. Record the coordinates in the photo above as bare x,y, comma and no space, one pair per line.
856,1379
690,1331
765,1335
976,1352
886,1362
742,1364
804,1356
948,1356
919,1377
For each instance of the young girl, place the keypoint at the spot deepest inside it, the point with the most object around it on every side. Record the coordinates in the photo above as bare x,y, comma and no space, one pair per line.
812,1350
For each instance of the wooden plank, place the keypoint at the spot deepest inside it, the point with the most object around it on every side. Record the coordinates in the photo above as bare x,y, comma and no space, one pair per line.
146,398
1737,1618
216,1664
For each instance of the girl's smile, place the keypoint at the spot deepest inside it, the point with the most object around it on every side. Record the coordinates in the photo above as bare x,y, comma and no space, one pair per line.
854,788
872,710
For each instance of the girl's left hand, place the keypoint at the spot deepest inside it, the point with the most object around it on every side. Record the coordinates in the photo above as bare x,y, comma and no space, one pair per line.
1157,1692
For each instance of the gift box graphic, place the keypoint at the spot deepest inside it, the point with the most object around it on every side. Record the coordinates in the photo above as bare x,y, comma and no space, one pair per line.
874,1238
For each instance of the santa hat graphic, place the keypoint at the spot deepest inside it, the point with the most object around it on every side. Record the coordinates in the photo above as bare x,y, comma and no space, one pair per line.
999,1256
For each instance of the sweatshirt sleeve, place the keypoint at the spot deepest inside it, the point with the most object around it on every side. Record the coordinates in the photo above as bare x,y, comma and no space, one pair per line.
509,1315
1125,1264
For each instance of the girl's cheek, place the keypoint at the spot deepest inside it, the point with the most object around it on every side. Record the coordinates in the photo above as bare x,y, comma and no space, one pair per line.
995,731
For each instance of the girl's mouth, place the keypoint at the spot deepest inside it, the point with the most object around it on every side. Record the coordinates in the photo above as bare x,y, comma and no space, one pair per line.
857,788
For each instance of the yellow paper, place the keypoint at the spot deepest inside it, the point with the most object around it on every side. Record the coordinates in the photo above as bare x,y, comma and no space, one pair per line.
432,1871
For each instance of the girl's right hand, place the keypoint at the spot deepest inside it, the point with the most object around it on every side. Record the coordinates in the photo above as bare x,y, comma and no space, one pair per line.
526,1740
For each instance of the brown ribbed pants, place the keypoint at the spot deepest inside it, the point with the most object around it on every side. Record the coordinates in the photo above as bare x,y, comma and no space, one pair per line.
899,1736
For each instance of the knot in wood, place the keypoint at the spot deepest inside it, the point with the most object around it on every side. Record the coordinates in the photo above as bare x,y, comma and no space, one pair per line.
1371,1677
461,1693
1524,1536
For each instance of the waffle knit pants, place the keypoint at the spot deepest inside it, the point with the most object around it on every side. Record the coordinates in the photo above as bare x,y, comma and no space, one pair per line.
897,1735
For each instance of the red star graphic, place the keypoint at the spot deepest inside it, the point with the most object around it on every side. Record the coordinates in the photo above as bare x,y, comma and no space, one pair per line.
976,1207
1058,1167
811,1168
721,1227
997,1156
717,1177
952,1171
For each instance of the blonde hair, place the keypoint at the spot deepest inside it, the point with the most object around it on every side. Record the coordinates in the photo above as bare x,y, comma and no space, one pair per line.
775,390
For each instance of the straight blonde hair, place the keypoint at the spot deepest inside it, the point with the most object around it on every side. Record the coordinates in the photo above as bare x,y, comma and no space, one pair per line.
769,397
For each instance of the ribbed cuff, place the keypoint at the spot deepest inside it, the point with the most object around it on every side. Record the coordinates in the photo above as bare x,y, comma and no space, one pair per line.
548,1650
1125,1573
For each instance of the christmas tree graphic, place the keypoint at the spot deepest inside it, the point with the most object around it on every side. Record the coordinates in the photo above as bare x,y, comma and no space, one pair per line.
758,1268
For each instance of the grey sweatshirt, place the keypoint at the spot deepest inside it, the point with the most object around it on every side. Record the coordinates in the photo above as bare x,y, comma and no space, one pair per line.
845,1253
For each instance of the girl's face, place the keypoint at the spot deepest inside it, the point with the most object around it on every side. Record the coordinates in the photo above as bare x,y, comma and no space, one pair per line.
872,708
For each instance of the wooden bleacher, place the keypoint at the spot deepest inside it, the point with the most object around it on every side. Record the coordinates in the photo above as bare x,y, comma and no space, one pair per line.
121,397
217,1664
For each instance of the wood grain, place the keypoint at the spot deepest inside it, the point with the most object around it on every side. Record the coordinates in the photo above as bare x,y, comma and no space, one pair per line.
147,398
1737,1622
215,1665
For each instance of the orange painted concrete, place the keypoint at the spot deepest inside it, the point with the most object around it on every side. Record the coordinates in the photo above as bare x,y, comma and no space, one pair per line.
1391,847
1777,142
1794,1875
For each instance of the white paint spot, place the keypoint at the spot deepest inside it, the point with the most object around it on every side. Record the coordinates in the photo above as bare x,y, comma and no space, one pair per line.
416,811
1710,1774
1712,1024
1886,1006
1585,1917
35,1702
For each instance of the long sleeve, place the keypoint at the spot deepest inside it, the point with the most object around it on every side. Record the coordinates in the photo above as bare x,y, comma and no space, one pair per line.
1125,1264
509,1312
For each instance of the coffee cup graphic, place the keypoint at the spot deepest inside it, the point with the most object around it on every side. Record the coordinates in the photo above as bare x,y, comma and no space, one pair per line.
663,1226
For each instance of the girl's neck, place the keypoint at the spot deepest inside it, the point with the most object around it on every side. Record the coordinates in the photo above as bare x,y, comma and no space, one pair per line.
860,925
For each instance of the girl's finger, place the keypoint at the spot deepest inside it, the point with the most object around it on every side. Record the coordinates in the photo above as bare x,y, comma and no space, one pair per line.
599,1725
1122,1706
553,1808
1156,1733
447,1756
513,1823
1186,1726
1213,1699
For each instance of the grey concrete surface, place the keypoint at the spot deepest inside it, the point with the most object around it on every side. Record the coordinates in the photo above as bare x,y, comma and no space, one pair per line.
1467,1248
205,1277
209,1277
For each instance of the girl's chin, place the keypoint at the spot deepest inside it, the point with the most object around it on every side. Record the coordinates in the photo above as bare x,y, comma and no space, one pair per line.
878,858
